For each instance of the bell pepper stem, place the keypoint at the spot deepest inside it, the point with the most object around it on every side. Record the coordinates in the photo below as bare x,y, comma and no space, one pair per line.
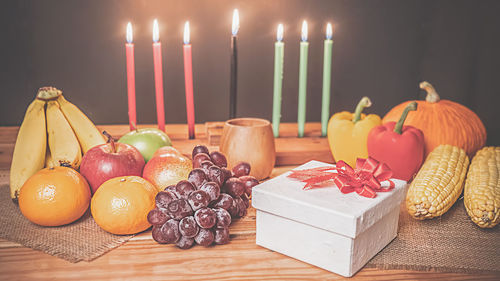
364,102
432,95
412,106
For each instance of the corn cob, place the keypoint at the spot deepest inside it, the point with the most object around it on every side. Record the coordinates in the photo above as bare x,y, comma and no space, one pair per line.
438,184
482,188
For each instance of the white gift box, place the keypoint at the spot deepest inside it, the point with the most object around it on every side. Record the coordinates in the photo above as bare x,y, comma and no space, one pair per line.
324,227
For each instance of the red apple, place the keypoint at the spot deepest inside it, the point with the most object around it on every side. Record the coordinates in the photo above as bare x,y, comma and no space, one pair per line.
167,169
110,160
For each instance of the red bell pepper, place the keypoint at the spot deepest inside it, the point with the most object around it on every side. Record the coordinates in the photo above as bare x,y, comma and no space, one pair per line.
400,147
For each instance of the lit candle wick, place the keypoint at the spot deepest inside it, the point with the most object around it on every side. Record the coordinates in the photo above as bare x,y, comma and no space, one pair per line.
236,22
279,33
304,31
130,36
156,31
186,33
329,31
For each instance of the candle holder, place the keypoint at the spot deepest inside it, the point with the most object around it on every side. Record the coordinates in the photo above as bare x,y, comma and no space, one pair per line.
250,140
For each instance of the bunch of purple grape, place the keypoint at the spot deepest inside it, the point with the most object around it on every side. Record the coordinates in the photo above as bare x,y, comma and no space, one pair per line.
200,209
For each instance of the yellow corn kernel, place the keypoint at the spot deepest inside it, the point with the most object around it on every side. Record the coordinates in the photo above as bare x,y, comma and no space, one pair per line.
482,188
438,184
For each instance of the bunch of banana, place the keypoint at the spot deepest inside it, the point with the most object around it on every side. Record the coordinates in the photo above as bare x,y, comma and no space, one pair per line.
54,132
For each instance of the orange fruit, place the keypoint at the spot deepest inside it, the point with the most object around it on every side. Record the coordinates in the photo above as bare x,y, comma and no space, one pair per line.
121,205
168,169
54,196
166,150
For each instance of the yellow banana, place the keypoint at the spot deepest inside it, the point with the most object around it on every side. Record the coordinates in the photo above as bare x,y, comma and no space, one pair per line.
63,144
86,132
31,144
48,159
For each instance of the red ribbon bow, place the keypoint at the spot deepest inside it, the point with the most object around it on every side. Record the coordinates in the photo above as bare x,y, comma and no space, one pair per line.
365,179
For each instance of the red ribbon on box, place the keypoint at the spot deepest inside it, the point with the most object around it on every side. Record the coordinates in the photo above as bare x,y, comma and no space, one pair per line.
365,179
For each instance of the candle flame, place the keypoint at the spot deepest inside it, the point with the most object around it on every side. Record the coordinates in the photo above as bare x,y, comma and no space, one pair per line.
187,34
304,31
279,33
130,35
156,31
329,31
236,22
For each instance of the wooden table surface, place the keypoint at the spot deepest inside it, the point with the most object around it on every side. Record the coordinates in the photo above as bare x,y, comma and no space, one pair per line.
142,258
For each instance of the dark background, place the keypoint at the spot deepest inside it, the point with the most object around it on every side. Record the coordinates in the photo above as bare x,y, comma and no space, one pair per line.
382,49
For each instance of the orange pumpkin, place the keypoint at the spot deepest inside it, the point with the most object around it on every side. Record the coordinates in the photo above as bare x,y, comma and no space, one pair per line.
443,122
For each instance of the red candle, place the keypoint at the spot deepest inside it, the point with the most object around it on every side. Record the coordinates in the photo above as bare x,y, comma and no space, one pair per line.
129,48
160,111
188,79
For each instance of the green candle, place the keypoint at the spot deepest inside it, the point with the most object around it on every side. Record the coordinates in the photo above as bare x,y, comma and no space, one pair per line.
327,70
304,47
279,50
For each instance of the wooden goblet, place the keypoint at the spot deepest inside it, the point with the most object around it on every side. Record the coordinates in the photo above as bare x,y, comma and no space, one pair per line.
250,140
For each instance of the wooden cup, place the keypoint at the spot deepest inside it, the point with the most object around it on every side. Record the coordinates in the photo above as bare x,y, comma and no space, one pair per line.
250,140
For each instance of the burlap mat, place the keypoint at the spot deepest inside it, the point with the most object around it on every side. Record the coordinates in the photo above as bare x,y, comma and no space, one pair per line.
451,243
81,240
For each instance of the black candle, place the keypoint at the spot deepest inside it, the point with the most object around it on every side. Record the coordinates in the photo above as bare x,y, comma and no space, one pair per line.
234,66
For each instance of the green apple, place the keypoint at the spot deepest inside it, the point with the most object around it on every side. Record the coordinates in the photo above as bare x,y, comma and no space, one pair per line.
147,141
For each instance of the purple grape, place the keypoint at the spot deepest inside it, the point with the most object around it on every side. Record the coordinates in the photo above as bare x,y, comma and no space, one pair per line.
242,208
234,187
221,236
205,217
212,189
249,182
171,188
245,200
241,169
223,218
197,177
205,237
199,158
225,201
188,227
216,175
227,173
157,217
184,188
198,199
205,166
170,231
179,208
219,159
185,242
163,198
233,210
158,235
199,149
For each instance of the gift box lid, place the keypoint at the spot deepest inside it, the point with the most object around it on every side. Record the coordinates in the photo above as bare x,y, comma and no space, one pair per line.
326,208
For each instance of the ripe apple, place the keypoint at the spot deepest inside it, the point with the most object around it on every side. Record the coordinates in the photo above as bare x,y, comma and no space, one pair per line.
167,169
110,160
147,141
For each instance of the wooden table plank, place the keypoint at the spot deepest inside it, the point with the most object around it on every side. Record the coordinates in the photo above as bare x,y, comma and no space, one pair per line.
290,150
142,258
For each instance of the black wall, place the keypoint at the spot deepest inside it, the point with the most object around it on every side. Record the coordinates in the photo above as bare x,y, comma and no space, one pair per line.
382,49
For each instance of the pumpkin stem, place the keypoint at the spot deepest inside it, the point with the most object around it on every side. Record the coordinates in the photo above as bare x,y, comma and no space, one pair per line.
412,106
432,95
364,102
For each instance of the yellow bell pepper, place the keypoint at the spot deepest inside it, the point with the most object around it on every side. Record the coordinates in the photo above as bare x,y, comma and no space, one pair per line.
348,133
